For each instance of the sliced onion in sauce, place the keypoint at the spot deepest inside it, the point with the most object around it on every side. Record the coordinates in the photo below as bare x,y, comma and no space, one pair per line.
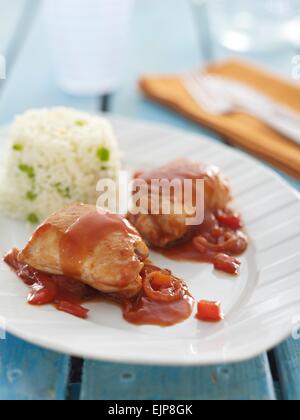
160,286
235,243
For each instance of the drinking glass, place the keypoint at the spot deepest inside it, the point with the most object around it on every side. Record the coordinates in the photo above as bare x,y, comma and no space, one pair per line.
244,26
88,40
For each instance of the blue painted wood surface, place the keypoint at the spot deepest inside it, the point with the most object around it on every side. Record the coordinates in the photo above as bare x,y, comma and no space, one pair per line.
30,373
287,357
163,40
246,381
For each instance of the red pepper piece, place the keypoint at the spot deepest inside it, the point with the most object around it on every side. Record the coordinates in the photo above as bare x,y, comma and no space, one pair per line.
43,291
209,311
227,264
73,309
231,221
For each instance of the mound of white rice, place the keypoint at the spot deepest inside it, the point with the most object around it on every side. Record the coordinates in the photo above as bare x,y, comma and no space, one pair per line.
56,157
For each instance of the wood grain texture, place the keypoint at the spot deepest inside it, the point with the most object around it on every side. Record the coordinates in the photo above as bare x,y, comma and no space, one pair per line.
246,381
30,373
287,357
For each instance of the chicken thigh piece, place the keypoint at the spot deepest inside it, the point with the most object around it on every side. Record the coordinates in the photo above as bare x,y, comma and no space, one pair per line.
96,248
161,230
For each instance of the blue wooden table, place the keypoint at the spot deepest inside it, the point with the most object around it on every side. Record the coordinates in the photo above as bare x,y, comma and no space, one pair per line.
163,39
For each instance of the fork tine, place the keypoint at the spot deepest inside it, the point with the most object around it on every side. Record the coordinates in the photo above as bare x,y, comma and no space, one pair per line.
198,89
201,87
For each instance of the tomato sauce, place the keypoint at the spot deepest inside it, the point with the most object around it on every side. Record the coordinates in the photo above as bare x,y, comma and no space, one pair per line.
181,169
144,310
68,295
51,289
178,172
163,299
81,239
218,241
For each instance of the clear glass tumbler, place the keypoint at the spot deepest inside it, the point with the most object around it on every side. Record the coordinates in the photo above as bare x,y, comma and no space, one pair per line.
244,26
88,40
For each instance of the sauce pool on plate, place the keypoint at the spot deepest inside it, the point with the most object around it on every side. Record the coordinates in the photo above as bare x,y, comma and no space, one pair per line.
68,295
219,240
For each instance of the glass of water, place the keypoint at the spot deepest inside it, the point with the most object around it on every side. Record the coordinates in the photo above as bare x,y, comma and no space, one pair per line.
243,26
88,40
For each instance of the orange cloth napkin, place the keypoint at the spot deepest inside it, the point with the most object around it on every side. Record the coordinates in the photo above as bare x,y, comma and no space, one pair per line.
239,129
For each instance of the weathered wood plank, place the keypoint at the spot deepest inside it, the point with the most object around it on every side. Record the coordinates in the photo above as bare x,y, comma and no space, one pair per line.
30,373
287,357
246,381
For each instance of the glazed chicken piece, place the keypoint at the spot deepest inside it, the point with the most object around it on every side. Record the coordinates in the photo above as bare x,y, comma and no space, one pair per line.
161,230
99,249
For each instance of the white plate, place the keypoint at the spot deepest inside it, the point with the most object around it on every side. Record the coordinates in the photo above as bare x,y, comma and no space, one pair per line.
261,306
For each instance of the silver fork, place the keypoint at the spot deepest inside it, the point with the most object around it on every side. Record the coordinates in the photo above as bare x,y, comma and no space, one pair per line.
199,86
220,96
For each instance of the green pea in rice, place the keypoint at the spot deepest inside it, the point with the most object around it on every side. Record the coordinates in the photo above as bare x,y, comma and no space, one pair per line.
56,157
